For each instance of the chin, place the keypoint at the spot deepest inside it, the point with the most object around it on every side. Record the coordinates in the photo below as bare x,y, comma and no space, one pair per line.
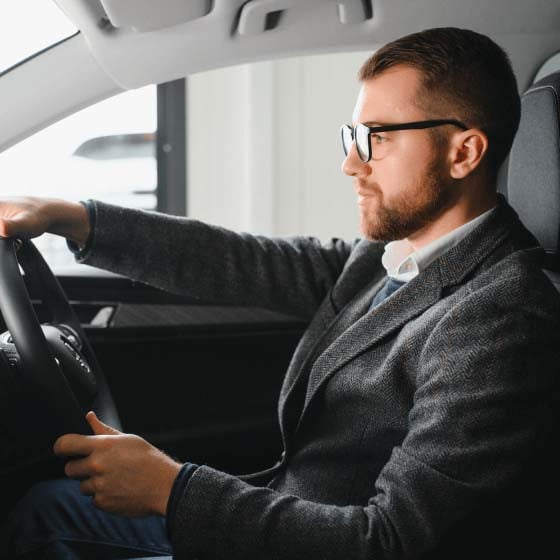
369,231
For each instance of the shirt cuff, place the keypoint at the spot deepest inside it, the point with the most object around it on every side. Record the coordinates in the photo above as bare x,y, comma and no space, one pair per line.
177,490
80,254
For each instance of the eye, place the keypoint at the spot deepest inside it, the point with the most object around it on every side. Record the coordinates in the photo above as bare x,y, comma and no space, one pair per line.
378,139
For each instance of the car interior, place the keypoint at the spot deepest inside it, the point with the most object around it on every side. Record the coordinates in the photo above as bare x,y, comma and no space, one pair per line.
168,366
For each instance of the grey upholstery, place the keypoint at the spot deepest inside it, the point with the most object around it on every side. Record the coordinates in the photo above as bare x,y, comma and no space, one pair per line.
533,183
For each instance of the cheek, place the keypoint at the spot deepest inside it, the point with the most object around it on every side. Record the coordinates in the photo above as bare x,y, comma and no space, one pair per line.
393,176
400,172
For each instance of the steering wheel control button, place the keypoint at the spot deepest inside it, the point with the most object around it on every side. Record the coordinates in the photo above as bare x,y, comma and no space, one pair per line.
73,340
85,366
71,348
7,338
71,336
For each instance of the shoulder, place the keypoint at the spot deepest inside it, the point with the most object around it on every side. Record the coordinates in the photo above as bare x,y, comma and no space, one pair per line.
517,280
512,300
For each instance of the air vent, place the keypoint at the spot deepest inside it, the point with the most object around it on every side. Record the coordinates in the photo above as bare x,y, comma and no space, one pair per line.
273,20
258,16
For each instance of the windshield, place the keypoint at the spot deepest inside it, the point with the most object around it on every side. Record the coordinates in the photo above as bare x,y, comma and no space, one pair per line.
29,26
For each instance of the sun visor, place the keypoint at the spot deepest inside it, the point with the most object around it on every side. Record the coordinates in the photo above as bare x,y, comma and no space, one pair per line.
147,15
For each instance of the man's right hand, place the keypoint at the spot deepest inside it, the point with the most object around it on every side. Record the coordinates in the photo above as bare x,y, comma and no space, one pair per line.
28,217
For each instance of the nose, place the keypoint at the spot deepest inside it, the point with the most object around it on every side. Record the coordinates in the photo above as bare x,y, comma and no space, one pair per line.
353,166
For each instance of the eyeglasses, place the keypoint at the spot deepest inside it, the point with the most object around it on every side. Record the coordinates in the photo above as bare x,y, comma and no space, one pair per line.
361,133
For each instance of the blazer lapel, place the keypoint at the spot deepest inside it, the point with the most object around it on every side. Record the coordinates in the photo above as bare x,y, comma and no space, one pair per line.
291,401
363,330
406,303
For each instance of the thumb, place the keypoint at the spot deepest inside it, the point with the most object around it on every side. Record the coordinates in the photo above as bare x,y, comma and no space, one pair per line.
6,227
98,427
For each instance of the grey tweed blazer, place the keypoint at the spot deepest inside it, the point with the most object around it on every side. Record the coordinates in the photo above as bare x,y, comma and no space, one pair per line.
425,428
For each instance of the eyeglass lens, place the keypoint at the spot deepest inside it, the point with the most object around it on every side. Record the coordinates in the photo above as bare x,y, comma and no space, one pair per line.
361,134
347,134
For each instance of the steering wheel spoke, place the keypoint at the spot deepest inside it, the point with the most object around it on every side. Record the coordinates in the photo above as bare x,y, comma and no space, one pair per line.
55,368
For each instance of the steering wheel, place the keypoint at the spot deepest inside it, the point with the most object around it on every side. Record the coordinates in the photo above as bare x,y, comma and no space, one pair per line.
49,376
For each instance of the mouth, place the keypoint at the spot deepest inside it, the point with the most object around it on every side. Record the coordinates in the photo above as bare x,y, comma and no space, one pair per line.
363,196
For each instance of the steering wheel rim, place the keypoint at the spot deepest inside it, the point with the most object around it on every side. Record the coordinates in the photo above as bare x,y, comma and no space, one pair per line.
40,350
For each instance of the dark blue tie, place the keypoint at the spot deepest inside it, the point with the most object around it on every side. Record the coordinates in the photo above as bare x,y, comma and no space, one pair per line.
390,286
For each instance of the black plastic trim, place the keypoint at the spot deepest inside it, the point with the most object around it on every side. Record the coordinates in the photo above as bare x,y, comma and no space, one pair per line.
171,148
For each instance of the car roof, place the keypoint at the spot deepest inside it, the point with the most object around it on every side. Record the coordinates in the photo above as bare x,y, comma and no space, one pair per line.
176,38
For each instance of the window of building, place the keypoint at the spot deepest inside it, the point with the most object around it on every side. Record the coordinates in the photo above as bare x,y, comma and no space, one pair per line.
111,151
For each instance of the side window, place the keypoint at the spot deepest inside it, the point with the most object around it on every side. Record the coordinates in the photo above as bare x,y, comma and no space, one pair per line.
108,152
264,152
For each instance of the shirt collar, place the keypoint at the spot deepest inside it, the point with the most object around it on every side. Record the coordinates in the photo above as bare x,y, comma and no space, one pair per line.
403,263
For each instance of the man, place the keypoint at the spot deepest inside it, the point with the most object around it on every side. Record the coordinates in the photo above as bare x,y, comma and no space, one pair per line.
417,406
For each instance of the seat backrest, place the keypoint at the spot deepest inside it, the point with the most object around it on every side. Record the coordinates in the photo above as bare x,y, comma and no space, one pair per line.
533,179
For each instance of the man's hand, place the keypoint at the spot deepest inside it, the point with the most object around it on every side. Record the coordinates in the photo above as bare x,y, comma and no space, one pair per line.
123,472
30,216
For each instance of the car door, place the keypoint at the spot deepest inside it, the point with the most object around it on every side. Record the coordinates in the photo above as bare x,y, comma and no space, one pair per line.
199,381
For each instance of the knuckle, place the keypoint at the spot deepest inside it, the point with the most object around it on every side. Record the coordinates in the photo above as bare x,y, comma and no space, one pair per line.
86,488
99,484
102,502
58,447
95,466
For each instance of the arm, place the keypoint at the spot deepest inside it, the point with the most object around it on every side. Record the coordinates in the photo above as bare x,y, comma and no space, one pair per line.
487,381
189,257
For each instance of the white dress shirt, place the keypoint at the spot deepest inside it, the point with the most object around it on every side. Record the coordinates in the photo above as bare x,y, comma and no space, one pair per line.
403,263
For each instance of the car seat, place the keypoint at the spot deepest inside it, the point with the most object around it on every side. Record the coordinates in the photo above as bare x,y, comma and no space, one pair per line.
533,177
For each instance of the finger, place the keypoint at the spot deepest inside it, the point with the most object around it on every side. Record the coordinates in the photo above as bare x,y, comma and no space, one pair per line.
98,427
74,444
5,227
87,487
79,469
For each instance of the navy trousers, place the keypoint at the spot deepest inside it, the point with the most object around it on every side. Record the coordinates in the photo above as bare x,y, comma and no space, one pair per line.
55,521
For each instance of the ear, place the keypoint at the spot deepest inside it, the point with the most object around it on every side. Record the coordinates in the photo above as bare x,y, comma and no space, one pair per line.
466,152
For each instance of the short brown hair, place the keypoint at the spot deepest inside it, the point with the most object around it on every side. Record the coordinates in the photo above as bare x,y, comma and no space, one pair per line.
467,77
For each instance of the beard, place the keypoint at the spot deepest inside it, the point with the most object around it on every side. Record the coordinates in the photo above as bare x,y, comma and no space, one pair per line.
413,209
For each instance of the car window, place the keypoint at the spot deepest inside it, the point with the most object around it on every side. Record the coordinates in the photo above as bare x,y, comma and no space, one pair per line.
106,152
27,27
264,152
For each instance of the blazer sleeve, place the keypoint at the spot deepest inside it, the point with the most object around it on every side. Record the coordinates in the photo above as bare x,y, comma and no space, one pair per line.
213,264
487,384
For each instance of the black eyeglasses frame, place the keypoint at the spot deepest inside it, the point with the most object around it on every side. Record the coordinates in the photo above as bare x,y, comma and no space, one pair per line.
415,125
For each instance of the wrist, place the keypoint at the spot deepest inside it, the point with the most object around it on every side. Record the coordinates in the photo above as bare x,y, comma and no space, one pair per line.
68,219
169,474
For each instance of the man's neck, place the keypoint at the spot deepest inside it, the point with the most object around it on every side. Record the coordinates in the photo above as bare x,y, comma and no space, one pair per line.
452,218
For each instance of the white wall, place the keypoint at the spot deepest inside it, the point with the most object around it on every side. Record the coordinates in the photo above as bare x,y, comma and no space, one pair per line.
263,146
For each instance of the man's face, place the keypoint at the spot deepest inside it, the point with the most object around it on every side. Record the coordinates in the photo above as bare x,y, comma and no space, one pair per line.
408,187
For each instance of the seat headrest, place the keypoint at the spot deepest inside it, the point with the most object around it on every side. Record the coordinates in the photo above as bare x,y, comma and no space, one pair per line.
533,185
